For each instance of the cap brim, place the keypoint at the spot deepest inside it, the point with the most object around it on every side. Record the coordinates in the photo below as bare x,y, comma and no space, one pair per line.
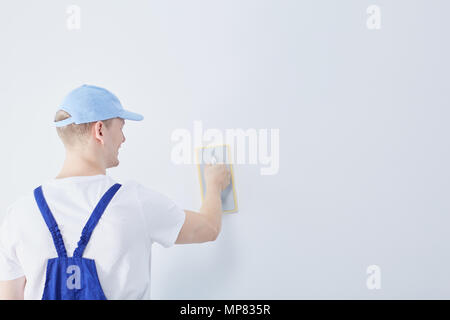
128,115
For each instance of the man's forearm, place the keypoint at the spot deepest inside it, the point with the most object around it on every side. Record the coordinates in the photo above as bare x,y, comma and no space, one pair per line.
212,207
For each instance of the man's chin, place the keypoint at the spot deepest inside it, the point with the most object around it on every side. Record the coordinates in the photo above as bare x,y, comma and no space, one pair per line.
114,164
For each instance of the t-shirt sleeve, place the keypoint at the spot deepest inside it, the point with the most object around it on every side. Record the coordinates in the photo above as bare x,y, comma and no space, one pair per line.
162,216
10,267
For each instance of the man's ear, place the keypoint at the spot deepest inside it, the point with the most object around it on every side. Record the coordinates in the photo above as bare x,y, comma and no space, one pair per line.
98,128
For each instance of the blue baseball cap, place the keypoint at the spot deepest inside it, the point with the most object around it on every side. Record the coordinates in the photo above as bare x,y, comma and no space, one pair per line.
90,103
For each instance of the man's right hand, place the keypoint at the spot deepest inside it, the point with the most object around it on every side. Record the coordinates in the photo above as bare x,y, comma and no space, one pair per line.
205,225
217,176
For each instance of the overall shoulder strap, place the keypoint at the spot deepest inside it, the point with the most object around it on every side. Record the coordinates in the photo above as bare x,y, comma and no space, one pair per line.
50,221
94,218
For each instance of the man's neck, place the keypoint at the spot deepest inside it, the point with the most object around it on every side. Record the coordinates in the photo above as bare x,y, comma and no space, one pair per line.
76,166
62,174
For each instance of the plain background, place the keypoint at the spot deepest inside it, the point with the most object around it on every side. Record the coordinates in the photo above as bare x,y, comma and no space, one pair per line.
363,118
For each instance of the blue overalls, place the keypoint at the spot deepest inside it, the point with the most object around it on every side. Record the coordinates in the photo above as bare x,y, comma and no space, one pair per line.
72,278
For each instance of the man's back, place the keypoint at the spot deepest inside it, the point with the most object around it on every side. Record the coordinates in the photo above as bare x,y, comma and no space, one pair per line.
120,244
90,123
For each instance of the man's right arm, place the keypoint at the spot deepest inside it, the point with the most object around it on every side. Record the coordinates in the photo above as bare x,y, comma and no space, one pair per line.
205,225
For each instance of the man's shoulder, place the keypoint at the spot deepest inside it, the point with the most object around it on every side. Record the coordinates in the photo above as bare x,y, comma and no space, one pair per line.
19,208
136,186
144,192
130,185
23,200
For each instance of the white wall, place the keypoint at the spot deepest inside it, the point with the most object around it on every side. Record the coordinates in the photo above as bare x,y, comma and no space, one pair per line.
363,118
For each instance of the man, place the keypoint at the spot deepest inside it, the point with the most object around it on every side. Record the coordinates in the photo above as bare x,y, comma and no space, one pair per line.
41,231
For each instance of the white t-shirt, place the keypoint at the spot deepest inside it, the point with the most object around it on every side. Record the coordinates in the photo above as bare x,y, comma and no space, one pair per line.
120,244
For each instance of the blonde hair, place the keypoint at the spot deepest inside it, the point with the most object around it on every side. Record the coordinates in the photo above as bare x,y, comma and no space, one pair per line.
74,134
